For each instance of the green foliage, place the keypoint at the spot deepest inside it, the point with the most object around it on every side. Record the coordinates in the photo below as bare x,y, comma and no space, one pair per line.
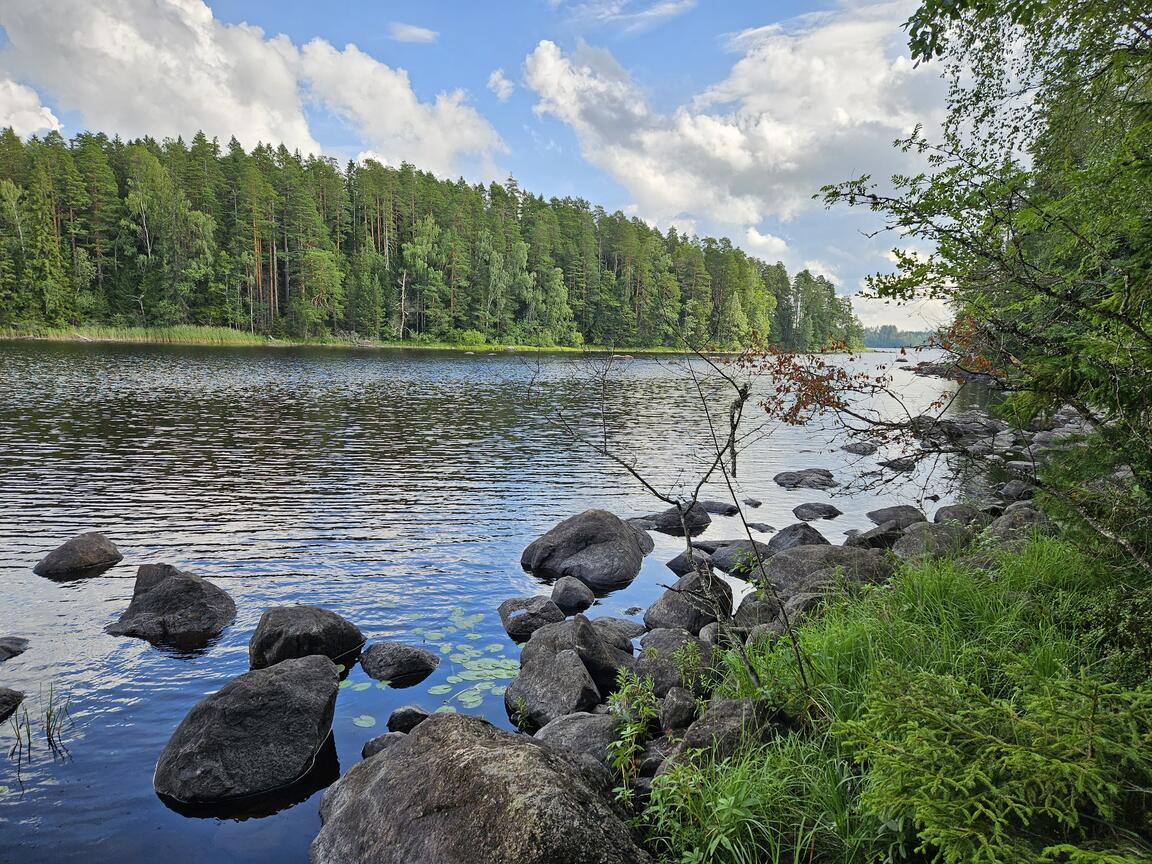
150,234
635,706
971,710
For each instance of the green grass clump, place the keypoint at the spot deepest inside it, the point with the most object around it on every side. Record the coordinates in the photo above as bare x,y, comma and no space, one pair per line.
967,712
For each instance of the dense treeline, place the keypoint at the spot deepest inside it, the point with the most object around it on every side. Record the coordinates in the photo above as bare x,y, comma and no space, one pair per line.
888,336
145,233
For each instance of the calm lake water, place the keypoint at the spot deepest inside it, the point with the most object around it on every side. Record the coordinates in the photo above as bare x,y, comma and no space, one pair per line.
396,488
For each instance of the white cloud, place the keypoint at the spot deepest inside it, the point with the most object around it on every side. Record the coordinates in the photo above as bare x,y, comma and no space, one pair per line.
912,315
20,108
168,67
400,32
499,84
811,102
766,246
633,16
378,101
820,268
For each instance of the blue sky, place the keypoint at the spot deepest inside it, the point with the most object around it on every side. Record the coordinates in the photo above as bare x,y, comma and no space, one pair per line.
722,117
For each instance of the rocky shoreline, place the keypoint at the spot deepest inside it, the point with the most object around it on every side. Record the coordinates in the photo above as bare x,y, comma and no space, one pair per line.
446,787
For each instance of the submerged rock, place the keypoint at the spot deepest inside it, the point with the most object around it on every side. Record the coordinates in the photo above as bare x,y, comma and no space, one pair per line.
695,519
883,536
285,632
9,701
399,664
800,534
808,478
596,547
85,555
458,790
175,608
256,734
12,646
571,595
860,448
812,512
720,508
523,616
902,514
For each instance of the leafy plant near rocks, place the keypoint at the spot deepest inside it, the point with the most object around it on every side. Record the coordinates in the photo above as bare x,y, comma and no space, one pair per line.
635,706
972,710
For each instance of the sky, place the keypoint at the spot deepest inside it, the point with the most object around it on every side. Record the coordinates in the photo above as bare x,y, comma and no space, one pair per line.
720,117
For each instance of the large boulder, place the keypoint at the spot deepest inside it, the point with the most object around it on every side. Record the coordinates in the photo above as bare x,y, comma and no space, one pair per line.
171,607
9,701
12,646
673,521
571,595
399,664
1019,523
817,510
582,733
692,601
683,564
800,534
601,656
550,686
550,640
724,727
85,555
720,508
808,478
1017,490
902,514
796,570
285,632
963,514
523,616
258,733
883,536
739,558
596,547
458,790
927,540
619,631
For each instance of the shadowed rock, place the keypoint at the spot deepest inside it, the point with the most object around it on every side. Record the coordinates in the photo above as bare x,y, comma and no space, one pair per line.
458,790
548,687
406,718
926,540
678,710
571,595
12,646
256,734
1017,490
695,519
739,559
595,547
380,743
720,508
902,514
399,664
808,478
883,536
800,534
174,608
523,616
724,727
798,569
9,701
692,601
285,632
812,512
86,555
682,564
591,734
963,514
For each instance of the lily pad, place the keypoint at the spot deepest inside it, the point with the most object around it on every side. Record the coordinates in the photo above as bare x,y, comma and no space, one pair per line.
382,685
472,636
364,721
453,679
361,686
445,709
440,689
499,691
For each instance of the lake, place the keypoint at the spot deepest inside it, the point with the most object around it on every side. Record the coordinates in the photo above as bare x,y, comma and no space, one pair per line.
396,488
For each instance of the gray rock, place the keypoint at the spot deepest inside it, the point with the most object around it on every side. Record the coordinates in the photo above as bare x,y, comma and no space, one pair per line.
86,555
963,514
523,616
381,743
738,558
902,514
285,632
682,565
796,570
571,595
600,656
754,611
12,646
665,642
724,727
808,478
710,634
1017,490
171,607
256,734
548,687
765,635
692,601
860,448
710,546
669,521
812,512
663,673
883,536
406,718
591,734
1021,523
800,534
678,710
619,631
458,790
762,527
9,701
720,508
753,502
927,540
399,664
595,547
900,464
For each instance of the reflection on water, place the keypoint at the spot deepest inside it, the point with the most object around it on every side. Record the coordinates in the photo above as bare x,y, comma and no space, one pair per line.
397,489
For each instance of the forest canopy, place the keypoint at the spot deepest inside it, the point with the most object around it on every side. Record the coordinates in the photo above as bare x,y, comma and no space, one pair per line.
147,233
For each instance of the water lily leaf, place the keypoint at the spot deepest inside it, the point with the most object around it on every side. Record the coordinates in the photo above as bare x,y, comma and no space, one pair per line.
440,689
383,685
445,649
471,700
341,668
457,658
361,686
448,630
364,721
453,679
473,636
445,709
416,631
499,691
346,683
494,648
433,635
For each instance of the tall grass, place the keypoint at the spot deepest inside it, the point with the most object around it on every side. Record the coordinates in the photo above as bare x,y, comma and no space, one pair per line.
960,713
